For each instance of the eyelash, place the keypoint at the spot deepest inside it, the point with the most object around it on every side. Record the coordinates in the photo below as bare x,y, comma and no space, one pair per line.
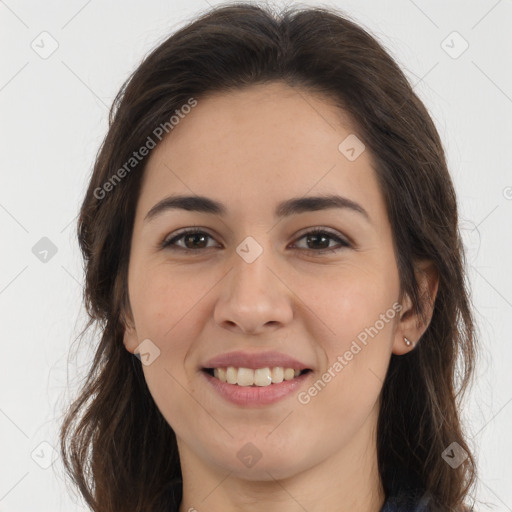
169,243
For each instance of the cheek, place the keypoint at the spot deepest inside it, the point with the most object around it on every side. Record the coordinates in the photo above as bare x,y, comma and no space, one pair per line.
165,309
162,299
348,300
354,322
357,347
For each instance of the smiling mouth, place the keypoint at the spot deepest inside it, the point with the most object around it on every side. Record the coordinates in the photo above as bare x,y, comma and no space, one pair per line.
260,377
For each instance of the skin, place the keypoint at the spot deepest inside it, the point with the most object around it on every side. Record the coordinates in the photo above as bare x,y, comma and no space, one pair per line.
251,149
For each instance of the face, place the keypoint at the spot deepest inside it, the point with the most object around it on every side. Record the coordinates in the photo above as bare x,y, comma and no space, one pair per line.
253,281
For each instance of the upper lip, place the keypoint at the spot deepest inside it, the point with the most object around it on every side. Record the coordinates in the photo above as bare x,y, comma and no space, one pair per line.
254,360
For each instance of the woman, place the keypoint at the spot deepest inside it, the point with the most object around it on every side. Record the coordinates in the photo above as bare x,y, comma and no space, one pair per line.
272,254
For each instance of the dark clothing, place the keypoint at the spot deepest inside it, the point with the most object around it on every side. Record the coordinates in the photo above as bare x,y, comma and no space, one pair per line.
407,502
404,493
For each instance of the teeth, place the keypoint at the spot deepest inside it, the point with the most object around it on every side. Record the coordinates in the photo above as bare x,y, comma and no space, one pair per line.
245,377
231,375
277,374
220,373
259,377
262,376
289,373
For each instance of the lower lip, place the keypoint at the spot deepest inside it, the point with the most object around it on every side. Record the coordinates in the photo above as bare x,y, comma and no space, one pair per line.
256,395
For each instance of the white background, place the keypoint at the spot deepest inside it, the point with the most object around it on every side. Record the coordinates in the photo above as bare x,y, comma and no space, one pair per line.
54,117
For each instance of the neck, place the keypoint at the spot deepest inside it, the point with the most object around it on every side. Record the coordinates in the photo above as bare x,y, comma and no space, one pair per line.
348,480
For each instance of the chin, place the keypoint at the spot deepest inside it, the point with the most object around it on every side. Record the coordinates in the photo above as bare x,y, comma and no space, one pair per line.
264,471
248,462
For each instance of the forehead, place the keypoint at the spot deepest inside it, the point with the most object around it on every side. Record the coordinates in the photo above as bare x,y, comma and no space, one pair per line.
257,146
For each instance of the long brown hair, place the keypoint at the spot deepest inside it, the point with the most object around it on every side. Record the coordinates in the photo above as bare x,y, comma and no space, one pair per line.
116,445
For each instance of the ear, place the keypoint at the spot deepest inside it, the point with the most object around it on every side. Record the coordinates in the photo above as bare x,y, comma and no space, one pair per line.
411,324
130,338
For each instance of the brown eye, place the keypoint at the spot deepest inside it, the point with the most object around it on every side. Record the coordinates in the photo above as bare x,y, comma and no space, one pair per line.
321,238
318,241
192,239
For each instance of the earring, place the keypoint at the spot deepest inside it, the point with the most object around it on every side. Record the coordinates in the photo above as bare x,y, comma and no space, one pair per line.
407,342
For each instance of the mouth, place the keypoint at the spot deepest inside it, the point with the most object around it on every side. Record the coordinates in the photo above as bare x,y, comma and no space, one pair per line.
259,377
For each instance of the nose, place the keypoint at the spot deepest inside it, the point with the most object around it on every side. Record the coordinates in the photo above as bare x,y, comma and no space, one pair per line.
254,297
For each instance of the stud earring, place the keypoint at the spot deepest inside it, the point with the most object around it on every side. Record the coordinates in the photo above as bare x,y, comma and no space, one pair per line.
407,342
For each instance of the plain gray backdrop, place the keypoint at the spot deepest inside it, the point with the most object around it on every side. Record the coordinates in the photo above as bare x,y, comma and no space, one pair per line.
63,63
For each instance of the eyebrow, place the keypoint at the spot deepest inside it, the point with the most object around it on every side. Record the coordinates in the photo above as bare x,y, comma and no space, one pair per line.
286,208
